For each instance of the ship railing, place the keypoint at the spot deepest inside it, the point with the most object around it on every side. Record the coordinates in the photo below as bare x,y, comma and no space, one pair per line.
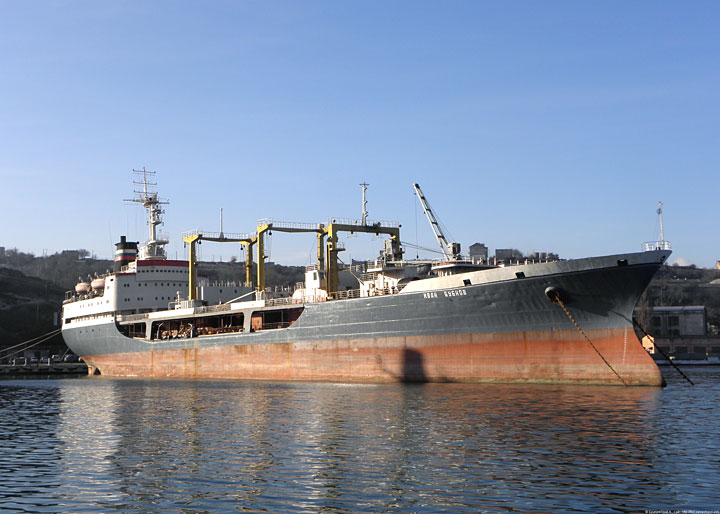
279,324
213,308
161,237
288,224
283,301
355,268
381,263
216,235
437,262
651,246
228,283
71,296
153,247
225,307
345,295
130,317
368,223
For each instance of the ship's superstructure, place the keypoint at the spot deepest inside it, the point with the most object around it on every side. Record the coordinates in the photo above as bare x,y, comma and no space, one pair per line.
143,280
452,320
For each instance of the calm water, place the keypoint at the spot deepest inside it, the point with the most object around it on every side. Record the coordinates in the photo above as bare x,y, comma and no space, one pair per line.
102,445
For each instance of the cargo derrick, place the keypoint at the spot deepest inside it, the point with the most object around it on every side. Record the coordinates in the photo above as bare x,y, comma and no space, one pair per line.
327,254
196,236
268,225
381,227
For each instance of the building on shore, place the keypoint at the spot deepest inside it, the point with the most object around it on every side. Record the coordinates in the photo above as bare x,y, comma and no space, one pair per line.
681,332
479,253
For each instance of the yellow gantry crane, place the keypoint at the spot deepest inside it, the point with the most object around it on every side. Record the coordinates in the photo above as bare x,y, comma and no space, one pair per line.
335,227
267,225
195,236
327,255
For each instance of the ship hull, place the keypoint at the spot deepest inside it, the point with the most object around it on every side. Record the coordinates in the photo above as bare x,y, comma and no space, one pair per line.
489,326
538,357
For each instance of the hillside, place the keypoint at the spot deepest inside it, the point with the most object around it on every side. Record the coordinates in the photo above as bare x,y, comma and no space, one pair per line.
682,286
29,307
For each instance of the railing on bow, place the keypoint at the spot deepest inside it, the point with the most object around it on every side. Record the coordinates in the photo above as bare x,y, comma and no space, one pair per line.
651,246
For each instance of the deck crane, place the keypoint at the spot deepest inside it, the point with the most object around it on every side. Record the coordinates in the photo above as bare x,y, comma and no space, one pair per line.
451,251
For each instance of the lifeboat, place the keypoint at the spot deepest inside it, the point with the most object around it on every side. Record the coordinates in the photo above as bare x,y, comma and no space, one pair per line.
83,288
98,284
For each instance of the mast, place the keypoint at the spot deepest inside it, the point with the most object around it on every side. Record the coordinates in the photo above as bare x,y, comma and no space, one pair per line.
661,244
364,204
146,195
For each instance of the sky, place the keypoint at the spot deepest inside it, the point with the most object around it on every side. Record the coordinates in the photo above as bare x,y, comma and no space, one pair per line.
543,126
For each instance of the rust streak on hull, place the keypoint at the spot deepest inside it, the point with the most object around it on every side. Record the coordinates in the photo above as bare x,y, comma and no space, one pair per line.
560,356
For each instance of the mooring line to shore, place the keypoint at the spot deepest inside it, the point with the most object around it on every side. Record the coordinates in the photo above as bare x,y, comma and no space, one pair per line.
661,351
42,338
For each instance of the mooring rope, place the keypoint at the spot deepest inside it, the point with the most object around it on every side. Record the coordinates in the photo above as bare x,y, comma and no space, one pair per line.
43,337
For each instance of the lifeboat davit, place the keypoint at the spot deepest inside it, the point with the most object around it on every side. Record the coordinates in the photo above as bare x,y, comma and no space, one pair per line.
98,284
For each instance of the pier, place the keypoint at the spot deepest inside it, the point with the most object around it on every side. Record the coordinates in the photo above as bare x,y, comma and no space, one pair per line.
44,368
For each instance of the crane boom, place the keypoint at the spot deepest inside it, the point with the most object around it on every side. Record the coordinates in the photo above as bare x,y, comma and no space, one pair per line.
449,250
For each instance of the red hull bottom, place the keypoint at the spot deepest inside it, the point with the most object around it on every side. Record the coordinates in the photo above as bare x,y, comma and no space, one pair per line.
540,357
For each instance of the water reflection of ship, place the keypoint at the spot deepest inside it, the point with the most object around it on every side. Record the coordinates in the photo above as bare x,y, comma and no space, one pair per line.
376,445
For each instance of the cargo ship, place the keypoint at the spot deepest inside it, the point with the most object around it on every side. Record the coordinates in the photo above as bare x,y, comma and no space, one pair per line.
452,320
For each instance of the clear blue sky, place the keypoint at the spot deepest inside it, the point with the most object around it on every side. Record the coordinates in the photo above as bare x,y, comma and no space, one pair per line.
550,126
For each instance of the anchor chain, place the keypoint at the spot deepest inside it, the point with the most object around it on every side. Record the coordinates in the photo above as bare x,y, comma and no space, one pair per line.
559,301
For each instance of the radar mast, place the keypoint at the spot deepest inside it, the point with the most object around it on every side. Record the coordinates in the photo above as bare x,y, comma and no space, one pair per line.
661,244
146,195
